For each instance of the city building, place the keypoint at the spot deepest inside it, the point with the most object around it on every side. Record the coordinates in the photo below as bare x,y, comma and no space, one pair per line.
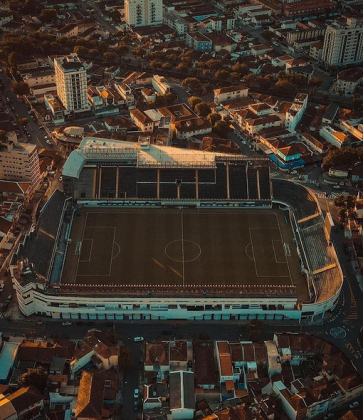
348,81
19,162
296,111
143,12
343,42
71,81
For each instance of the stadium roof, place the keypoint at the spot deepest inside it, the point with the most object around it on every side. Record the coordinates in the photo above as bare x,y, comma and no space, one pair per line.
99,149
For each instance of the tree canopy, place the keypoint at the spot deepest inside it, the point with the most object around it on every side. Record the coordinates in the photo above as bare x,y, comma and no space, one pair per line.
346,156
194,100
20,88
202,109
37,377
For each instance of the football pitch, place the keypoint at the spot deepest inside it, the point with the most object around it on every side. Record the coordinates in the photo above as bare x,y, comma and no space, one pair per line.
179,247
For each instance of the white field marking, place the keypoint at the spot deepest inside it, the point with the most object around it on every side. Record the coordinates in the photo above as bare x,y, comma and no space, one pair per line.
90,251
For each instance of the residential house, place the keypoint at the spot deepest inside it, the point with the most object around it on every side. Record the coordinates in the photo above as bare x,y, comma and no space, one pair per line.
230,93
23,404
348,81
182,400
296,111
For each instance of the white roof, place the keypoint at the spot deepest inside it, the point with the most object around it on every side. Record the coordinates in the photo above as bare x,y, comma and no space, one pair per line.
92,148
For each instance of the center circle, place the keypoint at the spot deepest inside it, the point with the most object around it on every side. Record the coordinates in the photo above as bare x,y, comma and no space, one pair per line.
183,250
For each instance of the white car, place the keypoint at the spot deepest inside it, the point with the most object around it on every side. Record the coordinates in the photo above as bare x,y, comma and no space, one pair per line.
60,179
354,404
66,323
47,141
337,187
137,339
136,393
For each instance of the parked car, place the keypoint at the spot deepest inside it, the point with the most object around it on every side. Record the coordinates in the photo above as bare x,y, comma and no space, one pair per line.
66,323
136,406
137,339
337,187
354,404
40,322
60,180
136,393
8,299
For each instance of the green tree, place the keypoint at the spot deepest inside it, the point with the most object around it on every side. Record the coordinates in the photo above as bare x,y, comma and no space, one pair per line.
193,83
20,88
194,100
213,118
346,201
222,74
81,50
122,49
222,128
214,64
48,15
125,358
241,69
110,56
2,135
268,35
111,335
182,67
139,52
284,87
346,157
37,377
202,109
315,82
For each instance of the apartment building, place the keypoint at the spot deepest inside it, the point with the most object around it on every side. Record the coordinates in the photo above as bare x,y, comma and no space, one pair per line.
343,42
143,12
19,162
296,111
71,81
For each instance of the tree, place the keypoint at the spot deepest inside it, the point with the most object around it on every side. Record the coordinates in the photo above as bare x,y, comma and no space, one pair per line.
23,121
222,74
2,135
194,100
139,52
315,82
202,109
111,335
214,64
284,87
80,50
121,49
346,201
182,67
213,118
346,156
20,88
125,358
37,377
193,83
268,35
110,56
222,128
241,69
48,15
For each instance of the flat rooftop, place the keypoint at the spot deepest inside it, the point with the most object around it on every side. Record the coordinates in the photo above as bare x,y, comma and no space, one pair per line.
156,248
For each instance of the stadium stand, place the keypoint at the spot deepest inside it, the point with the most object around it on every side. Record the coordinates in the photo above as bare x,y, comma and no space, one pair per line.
252,183
171,175
296,196
265,186
146,190
146,175
168,190
108,182
206,175
127,182
237,180
85,183
38,246
188,191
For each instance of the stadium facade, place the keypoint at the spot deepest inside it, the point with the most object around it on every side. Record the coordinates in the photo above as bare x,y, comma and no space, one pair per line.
120,175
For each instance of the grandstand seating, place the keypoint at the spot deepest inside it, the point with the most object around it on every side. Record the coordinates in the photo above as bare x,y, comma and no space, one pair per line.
237,181
127,182
170,175
265,186
168,190
146,190
39,245
188,191
206,175
108,182
296,196
85,183
146,175
252,183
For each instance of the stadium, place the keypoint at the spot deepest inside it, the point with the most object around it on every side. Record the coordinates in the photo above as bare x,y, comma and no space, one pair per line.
152,232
